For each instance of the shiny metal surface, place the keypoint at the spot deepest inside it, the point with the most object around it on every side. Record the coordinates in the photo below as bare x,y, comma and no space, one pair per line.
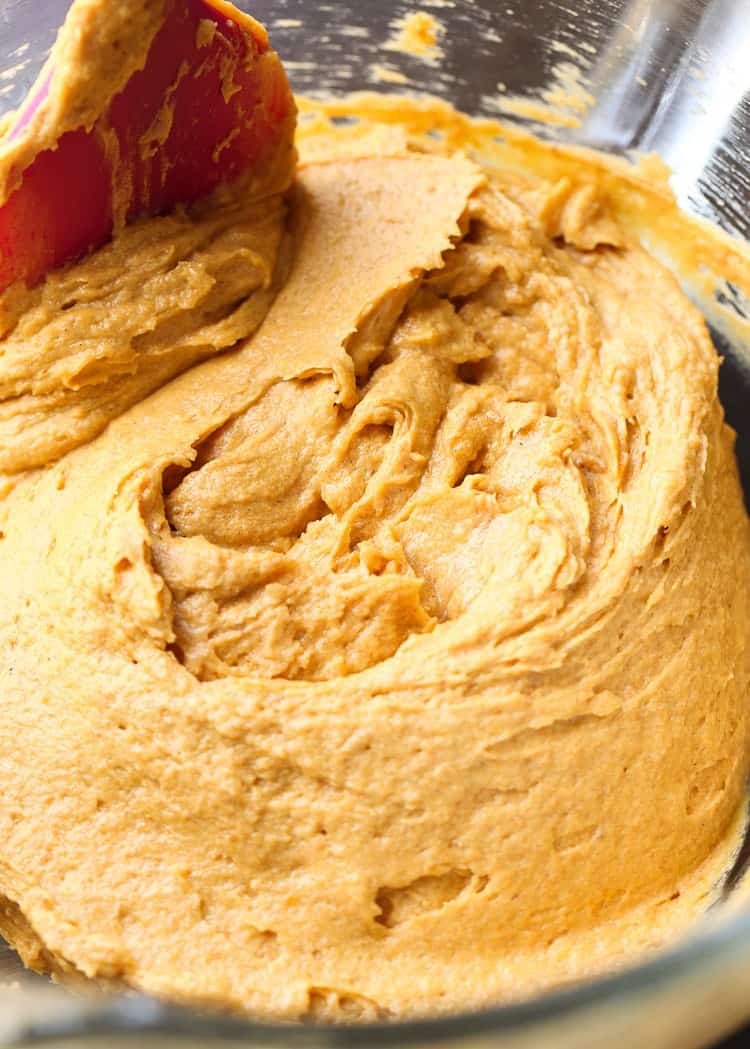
670,76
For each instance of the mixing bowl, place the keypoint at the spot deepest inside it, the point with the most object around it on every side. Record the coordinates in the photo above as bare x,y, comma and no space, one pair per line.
669,76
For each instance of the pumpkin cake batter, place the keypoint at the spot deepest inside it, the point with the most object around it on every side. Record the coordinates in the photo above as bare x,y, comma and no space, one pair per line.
375,584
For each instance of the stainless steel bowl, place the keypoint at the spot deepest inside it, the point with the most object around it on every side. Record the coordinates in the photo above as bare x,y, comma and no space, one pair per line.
670,76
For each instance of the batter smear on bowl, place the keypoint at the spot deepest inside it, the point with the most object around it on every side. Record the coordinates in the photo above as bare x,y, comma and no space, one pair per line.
374,609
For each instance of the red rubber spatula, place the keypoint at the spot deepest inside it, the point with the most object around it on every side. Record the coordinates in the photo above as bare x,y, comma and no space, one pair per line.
209,103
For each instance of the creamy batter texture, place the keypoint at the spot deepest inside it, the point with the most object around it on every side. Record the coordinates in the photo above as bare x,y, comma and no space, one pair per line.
373,633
